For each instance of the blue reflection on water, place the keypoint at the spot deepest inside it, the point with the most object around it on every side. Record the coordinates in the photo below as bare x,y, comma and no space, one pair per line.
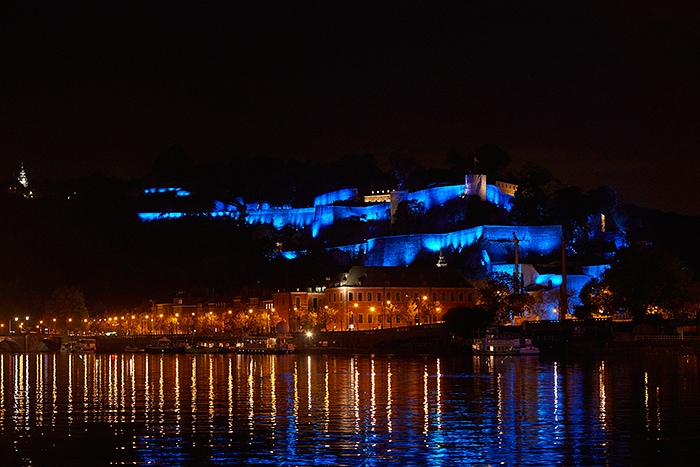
346,410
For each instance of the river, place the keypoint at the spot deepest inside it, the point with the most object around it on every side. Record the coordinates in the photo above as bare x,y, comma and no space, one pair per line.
172,410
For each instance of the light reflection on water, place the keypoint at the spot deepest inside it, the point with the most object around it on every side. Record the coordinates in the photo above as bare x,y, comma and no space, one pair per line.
346,410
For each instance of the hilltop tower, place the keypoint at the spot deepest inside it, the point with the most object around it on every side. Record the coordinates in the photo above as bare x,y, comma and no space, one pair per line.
475,185
22,179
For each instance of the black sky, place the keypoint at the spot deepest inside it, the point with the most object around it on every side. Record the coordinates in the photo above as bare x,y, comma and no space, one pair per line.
602,93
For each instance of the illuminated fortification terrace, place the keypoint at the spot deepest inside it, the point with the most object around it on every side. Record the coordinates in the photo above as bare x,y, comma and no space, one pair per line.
325,212
402,250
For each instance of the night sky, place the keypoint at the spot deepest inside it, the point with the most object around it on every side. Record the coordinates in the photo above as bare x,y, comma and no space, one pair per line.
601,93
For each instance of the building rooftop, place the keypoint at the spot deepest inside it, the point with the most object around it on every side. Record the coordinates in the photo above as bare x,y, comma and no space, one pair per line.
400,276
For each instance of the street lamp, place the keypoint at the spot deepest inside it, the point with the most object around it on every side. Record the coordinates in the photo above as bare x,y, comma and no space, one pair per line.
354,314
388,306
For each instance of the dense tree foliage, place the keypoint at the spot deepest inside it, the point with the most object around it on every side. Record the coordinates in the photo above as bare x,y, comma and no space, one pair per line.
501,300
65,310
642,280
408,216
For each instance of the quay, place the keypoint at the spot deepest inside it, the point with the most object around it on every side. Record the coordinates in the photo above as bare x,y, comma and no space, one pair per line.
566,337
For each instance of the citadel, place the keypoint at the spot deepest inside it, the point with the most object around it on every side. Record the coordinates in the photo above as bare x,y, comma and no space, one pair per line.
500,245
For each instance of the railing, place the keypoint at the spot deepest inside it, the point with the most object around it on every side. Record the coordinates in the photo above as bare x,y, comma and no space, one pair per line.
663,338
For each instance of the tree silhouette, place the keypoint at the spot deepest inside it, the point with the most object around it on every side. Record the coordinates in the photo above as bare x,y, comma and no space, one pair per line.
65,310
642,280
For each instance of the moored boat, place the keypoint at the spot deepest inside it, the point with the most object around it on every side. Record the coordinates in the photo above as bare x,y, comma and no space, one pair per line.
208,348
264,344
166,346
82,346
496,346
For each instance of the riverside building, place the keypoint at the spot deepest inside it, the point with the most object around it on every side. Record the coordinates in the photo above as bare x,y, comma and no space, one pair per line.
369,298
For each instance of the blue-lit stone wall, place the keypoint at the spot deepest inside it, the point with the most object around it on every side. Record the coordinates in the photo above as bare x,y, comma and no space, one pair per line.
574,282
157,216
393,251
340,195
535,240
323,213
401,250
325,216
279,217
496,196
220,206
436,196
596,271
174,190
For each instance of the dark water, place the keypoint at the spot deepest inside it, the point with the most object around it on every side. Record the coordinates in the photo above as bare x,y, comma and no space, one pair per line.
348,410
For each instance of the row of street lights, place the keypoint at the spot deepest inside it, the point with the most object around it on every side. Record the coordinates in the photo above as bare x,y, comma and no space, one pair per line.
19,325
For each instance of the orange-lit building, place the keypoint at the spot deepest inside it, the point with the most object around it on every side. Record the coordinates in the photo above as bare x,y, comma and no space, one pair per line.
292,307
377,297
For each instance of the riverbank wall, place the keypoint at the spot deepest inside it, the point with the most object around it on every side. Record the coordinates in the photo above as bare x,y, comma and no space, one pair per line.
557,338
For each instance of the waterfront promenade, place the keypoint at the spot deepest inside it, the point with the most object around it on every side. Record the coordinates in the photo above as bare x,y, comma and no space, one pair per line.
552,337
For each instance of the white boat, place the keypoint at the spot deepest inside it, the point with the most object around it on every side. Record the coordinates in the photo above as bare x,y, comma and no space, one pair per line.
84,345
264,344
495,346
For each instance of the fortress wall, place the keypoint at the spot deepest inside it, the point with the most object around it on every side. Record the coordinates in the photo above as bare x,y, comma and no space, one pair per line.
596,271
327,199
280,217
496,196
326,216
574,284
301,217
402,250
537,240
393,251
437,196
461,238
220,206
